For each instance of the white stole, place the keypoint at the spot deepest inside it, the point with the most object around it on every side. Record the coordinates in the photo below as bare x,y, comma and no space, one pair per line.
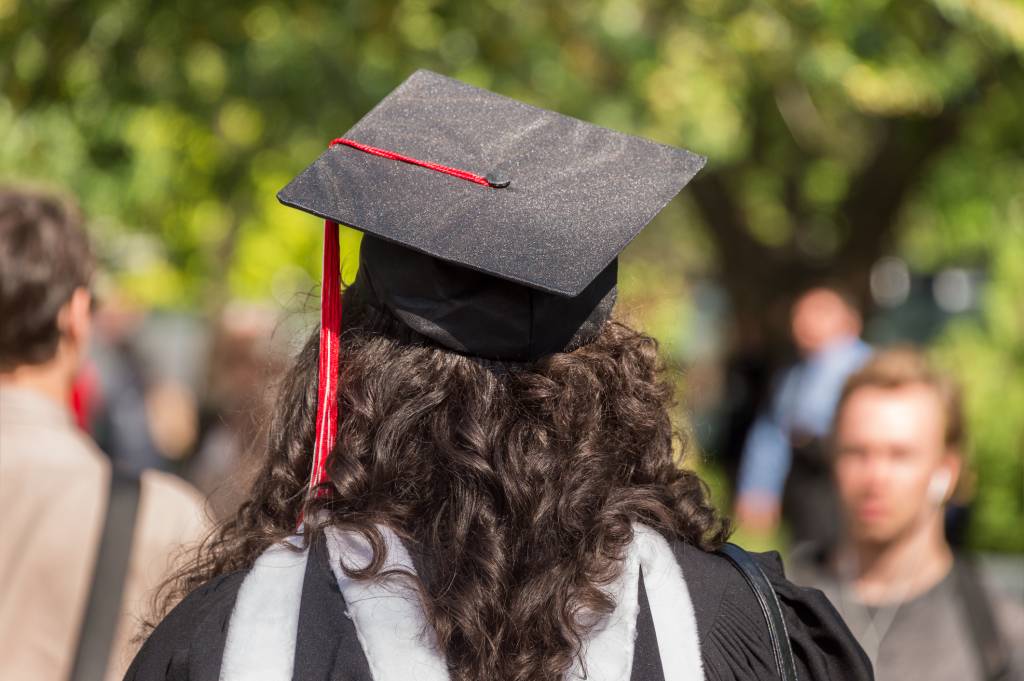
260,644
397,640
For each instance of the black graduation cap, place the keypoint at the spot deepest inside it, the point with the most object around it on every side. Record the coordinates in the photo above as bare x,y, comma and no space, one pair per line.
491,226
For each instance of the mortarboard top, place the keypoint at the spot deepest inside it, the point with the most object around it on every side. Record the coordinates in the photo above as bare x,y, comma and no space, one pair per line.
577,194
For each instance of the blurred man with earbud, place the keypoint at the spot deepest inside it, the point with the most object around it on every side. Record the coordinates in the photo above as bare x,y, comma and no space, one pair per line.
918,611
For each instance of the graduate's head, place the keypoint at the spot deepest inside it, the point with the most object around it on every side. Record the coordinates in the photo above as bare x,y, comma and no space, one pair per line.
490,226
898,444
45,270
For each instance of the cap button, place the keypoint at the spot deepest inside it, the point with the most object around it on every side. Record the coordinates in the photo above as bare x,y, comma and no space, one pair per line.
497,180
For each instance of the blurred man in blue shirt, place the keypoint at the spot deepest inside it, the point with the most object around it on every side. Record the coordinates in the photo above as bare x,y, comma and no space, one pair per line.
783,470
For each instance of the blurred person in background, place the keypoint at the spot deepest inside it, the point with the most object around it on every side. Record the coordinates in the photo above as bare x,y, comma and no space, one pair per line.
784,472
118,419
82,544
243,363
919,611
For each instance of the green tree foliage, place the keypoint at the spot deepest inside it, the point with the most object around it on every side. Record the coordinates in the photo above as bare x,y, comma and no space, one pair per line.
836,132
988,357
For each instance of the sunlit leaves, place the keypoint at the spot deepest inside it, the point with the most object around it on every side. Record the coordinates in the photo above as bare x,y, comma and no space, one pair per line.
176,124
988,358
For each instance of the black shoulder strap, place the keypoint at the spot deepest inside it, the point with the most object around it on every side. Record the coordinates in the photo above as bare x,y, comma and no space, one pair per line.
770,606
104,605
988,641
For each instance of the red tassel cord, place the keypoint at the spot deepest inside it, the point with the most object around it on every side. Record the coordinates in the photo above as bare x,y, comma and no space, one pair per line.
447,170
330,341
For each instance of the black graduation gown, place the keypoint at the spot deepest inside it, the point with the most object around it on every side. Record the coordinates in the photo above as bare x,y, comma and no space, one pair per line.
735,645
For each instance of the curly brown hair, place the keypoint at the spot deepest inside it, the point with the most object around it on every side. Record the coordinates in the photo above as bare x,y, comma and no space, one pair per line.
516,483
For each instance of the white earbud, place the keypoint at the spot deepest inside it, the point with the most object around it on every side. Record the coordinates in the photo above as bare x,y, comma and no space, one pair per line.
938,486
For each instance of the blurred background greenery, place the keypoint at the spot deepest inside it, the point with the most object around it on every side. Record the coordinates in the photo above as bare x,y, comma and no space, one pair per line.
876,145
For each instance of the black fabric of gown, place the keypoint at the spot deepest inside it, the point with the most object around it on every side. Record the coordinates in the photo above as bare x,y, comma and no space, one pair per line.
189,643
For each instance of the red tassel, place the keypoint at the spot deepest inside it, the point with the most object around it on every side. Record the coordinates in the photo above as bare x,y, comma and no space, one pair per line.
330,341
